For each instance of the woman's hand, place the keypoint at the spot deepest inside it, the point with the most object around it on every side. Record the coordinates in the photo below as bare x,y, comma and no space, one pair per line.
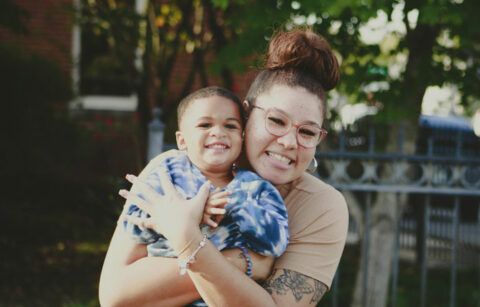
215,208
170,214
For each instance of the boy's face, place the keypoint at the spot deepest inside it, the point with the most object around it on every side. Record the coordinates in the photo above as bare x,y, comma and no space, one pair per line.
211,133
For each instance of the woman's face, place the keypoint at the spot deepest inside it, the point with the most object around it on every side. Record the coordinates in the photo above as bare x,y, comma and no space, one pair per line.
280,159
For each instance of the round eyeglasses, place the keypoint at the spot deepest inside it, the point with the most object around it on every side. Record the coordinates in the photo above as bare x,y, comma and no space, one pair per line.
279,124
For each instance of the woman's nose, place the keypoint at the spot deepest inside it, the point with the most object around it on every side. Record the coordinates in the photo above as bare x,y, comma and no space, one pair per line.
289,140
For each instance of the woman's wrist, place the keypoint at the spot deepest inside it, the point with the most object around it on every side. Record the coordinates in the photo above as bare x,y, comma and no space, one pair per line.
187,242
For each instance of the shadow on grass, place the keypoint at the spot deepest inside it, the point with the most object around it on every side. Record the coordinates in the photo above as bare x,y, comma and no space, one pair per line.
54,241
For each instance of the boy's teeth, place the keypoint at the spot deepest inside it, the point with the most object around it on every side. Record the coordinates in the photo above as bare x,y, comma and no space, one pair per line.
279,157
217,146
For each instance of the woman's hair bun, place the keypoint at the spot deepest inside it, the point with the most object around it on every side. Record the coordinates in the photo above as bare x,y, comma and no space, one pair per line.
306,51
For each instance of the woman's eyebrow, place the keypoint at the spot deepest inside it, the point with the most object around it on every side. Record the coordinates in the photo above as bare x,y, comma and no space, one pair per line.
310,123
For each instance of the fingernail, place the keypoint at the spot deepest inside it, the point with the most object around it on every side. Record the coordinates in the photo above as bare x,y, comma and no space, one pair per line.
130,177
123,192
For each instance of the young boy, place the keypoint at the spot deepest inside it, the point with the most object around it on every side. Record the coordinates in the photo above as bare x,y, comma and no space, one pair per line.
210,124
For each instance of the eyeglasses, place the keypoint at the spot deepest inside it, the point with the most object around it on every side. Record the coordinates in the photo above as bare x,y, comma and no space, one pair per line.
279,124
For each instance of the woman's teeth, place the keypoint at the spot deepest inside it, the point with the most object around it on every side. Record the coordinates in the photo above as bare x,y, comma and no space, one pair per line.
279,157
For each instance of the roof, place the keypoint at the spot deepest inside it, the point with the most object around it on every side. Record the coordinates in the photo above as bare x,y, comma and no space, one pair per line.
455,123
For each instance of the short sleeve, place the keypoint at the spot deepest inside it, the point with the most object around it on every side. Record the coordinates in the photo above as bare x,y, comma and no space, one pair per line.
318,230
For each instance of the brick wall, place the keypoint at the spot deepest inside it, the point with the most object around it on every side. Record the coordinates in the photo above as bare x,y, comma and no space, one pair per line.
49,27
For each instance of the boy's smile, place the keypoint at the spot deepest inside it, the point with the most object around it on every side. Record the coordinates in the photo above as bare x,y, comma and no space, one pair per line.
211,133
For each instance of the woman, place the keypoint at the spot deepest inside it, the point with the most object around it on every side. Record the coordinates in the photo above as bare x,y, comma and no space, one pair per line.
286,107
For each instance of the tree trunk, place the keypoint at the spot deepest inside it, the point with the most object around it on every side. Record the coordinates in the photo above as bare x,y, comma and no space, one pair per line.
386,211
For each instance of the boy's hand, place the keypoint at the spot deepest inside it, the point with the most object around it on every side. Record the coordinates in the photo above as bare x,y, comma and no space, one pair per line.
215,208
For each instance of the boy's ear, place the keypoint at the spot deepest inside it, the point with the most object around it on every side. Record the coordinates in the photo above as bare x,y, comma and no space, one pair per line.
181,144
246,105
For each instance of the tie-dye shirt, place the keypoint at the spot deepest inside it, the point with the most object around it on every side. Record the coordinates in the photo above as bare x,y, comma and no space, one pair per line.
256,217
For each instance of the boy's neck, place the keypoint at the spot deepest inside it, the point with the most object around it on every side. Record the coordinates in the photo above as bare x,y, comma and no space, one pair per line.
219,179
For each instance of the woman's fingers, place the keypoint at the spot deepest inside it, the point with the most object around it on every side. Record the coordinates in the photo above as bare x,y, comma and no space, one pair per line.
135,199
202,194
139,221
141,187
167,185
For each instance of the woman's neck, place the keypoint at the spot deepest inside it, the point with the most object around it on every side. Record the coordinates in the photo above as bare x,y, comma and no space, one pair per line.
219,179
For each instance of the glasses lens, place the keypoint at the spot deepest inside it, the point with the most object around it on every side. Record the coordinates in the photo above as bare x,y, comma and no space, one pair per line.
277,123
309,135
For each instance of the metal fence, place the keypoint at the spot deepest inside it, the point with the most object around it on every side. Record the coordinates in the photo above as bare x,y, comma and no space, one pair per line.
439,226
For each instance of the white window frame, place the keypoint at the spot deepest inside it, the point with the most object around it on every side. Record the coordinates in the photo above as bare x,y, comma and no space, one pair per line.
100,102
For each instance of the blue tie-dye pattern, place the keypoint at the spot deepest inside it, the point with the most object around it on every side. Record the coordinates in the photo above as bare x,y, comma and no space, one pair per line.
256,216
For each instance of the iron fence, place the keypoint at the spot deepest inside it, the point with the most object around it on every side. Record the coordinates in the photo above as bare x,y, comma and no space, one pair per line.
438,224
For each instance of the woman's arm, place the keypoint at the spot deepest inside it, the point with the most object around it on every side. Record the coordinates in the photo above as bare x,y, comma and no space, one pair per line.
129,278
220,284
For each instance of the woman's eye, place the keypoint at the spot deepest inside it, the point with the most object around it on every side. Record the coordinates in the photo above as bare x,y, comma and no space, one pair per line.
276,120
307,132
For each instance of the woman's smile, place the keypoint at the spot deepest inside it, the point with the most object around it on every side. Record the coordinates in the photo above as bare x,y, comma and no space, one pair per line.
278,160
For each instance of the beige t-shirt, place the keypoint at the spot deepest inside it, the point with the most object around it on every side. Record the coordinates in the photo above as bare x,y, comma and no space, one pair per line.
318,224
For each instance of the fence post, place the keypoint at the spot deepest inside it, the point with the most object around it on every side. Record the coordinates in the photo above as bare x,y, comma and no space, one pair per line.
424,260
156,131
455,237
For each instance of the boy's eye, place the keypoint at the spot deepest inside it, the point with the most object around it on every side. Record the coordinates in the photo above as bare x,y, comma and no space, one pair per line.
232,126
204,125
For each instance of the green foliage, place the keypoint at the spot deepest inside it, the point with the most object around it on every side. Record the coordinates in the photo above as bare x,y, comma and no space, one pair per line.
223,4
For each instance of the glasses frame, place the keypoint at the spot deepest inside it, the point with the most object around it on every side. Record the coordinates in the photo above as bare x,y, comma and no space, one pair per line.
323,132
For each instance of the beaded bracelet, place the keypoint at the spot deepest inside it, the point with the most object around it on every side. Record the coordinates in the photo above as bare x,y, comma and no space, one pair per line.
183,264
248,259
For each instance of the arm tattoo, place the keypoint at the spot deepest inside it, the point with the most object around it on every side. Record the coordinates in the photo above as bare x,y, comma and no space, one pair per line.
297,283
320,290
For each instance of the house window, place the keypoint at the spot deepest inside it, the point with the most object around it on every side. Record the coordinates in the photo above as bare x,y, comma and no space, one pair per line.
105,40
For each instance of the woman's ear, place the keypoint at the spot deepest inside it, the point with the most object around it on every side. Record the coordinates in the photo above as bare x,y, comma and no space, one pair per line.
181,144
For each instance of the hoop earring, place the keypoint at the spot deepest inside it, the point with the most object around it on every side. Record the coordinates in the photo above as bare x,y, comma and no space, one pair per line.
312,167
